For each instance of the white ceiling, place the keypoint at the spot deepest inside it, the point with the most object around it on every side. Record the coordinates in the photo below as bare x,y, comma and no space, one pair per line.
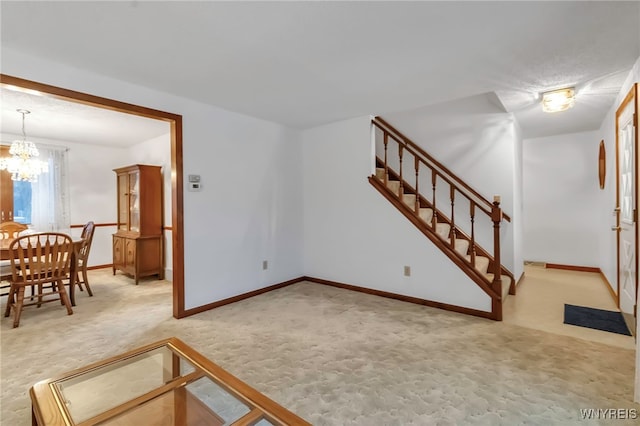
55,119
303,64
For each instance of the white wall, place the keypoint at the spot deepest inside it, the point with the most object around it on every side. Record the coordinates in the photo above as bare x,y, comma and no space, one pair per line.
250,208
517,220
561,192
352,234
157,152
476,140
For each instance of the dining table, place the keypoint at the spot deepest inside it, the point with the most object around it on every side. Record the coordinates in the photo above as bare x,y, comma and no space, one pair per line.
5,254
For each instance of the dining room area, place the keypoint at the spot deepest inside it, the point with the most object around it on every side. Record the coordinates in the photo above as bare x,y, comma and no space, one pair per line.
76,196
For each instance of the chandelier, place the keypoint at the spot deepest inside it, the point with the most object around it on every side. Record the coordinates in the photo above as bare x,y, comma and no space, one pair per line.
23,164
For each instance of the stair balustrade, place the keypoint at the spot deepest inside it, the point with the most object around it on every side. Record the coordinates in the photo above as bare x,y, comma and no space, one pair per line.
457,236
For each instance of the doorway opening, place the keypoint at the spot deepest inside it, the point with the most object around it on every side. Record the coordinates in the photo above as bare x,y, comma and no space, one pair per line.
175,122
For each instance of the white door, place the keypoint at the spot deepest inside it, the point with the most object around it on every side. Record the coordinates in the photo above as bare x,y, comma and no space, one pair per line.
627,267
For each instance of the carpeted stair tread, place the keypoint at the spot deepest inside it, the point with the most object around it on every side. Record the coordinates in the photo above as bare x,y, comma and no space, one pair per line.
426,214
442,229
394,186
506,283
482,263
380,173
461,245
409,200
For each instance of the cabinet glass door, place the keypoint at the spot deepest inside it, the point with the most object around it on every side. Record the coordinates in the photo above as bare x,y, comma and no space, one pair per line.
134,201
123,203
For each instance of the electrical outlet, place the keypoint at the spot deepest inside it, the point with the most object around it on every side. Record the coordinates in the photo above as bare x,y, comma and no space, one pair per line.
265,265
407,271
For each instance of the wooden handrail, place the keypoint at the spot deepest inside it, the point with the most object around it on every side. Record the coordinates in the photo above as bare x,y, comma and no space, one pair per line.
432,163
435,172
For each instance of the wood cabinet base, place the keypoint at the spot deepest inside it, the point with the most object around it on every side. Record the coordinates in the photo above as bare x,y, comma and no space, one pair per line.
138,256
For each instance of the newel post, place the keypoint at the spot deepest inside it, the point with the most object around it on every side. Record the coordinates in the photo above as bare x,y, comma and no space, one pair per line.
496,218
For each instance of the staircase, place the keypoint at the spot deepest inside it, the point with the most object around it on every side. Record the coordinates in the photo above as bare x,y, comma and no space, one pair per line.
403,169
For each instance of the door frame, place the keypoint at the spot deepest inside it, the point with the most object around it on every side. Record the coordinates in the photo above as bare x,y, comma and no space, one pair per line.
632,95
177,201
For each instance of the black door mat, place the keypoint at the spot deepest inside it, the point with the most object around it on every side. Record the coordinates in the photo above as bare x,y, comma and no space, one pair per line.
598,319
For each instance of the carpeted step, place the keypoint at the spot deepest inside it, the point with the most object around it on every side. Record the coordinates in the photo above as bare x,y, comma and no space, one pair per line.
506,283
409,200
394,185
380,173
426,214
461,245
482,263
442,229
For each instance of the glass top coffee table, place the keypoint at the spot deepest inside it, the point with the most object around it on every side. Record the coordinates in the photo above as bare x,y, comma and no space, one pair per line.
165,383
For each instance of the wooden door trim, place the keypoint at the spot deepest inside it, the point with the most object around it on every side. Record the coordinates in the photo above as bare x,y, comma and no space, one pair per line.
631,95
177,200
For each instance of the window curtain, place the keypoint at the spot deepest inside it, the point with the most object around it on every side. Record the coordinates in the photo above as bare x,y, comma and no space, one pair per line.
50,194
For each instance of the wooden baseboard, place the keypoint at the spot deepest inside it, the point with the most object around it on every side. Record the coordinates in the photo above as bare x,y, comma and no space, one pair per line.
572,267
380,293
97,225
587,269
239,297
107,265
410,299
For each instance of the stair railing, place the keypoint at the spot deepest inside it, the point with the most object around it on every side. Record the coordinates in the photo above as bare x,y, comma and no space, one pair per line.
477,203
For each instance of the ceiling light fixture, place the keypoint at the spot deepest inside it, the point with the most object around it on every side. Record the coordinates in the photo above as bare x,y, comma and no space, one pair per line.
558,100
23,163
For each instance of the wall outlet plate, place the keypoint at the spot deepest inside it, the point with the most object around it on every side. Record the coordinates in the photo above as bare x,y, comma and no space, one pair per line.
265,265
407,271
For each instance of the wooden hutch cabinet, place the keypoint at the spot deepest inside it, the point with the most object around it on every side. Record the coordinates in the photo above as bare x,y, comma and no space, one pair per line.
137,244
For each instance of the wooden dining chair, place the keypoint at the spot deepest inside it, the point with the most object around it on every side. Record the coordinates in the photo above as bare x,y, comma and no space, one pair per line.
39,260
8,231
11,230
83,256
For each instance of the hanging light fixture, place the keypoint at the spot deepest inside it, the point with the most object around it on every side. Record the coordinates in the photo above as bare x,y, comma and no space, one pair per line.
23,164
558,100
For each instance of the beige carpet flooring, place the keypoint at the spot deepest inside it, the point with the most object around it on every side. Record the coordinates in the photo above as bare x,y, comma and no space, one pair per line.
333,356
